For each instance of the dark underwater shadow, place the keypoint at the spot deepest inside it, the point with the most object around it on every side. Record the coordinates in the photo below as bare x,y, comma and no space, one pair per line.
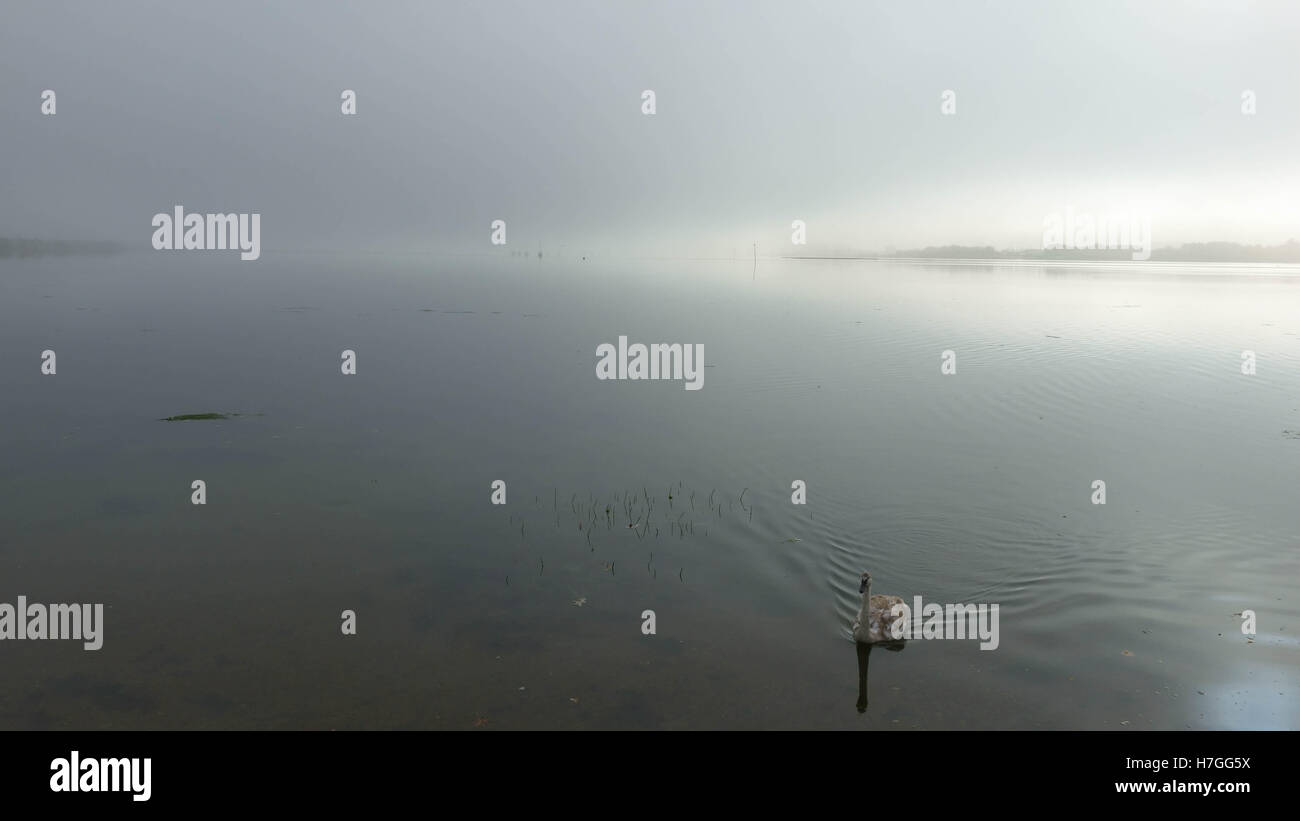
864,662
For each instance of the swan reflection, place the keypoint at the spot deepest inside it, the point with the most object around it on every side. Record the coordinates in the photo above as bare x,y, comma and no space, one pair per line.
864,660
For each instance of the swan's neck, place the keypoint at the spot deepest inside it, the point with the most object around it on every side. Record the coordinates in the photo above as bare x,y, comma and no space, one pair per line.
864,612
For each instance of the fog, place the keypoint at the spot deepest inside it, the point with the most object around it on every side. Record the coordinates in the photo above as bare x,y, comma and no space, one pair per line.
765,113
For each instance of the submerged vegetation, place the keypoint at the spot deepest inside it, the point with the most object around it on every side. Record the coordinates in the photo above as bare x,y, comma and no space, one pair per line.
678,515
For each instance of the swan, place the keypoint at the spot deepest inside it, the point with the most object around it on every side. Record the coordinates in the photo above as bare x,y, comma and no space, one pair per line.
877,616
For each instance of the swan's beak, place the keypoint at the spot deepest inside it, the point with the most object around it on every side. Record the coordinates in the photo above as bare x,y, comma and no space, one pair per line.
862,588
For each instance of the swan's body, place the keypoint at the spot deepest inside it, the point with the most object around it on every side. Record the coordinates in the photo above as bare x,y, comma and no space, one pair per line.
876,616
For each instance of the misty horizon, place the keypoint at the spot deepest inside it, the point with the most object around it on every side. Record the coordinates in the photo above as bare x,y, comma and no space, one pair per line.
830,115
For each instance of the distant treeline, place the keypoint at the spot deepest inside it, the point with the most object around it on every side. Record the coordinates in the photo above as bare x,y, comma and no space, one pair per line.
53,247
1189,252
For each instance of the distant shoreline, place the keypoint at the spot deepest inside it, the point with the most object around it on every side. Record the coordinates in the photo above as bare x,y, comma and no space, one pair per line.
25,248
1229,253
1155,263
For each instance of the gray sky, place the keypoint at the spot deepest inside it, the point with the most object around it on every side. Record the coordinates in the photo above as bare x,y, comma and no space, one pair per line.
767,112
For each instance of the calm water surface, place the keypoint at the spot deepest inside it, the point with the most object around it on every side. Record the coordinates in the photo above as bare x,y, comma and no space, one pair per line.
371,493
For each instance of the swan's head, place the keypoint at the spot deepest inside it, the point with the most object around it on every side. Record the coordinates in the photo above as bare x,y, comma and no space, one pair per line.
866,582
